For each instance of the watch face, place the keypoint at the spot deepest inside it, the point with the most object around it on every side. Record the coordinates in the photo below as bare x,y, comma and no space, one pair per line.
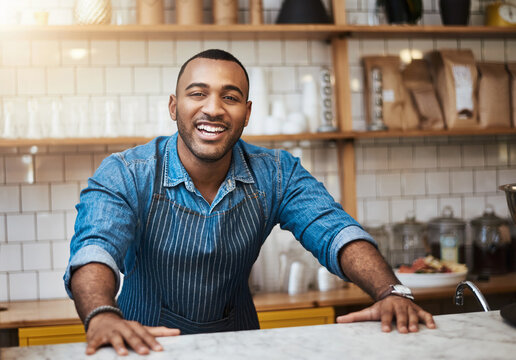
508,13
402,289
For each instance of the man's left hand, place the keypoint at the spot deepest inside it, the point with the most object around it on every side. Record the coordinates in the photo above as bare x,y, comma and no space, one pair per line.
408,315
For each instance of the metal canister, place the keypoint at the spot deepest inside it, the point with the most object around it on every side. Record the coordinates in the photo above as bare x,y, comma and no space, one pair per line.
446,236
491,243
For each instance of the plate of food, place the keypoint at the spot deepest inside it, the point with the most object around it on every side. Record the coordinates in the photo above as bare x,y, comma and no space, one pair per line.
431,272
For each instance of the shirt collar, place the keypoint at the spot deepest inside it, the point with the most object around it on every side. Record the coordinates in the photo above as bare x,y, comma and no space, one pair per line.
175,173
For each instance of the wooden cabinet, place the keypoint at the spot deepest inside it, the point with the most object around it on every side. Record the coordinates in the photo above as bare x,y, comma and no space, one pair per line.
49,335
297,317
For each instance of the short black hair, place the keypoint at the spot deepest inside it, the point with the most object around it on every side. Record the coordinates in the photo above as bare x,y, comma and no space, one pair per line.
214,54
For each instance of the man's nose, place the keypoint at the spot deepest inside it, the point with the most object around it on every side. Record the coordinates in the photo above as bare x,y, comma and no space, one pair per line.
213,106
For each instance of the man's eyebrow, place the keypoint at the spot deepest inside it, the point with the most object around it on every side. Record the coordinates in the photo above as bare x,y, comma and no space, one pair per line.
201,85
233,87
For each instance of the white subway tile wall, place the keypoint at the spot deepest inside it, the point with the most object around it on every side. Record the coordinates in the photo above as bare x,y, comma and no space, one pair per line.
21,227
40,186
102,52
160,52
2,229
74,52
7,82
50,285
23,286
10,255
9,198
36,256
50,226
467,180
45,52
16,53
31,81
3,287
35,197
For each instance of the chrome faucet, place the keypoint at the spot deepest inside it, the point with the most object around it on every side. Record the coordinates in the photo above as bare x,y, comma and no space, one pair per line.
459,294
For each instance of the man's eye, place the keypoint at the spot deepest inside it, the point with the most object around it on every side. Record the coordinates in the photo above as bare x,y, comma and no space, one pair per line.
231,98
197,94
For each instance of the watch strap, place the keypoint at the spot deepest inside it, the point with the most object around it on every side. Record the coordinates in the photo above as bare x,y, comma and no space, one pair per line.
392,291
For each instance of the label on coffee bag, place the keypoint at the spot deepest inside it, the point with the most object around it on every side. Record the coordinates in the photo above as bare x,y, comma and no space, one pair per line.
463,90
388,95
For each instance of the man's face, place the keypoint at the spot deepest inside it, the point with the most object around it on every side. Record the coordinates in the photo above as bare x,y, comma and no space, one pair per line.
210,108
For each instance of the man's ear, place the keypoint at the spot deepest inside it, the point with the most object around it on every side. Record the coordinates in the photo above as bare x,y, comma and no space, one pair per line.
172,106
249,106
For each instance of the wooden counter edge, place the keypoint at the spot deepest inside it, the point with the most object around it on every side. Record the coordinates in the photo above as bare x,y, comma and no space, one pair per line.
352,295
29,313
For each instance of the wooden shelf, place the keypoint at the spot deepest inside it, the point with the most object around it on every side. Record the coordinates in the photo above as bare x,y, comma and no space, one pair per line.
142,140
172,31
73,141
421,133
424,31
251,32
330,136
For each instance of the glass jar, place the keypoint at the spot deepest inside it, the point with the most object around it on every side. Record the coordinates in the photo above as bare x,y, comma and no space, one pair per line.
491,243
408,242
446,236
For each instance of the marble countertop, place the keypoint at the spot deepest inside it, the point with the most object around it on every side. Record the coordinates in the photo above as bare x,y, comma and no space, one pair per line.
480,335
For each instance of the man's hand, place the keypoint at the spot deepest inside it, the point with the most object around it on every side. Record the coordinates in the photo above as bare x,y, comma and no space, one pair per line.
408,315
110,329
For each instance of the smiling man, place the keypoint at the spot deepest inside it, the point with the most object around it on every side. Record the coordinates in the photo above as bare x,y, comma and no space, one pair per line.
184,217
211,111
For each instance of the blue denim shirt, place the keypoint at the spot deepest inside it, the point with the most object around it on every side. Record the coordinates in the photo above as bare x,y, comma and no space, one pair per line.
114,206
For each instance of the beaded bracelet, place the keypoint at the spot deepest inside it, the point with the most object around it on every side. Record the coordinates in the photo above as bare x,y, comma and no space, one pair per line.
99,310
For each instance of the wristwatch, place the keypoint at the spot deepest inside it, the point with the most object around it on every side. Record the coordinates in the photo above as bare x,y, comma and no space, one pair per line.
398,290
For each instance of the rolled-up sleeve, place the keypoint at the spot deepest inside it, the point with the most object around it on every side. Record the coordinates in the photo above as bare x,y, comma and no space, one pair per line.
107,220
86,255
344,237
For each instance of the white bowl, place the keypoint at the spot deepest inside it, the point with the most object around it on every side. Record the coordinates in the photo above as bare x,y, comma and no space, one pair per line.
413,280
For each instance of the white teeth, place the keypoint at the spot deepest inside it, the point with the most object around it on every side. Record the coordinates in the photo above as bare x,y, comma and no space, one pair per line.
212,129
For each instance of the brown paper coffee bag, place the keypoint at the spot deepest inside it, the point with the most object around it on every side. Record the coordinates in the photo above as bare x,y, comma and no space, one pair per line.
418,80
511,67
455,77
494,103
393,104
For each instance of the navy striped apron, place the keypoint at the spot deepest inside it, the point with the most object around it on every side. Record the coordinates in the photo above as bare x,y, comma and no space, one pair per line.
192,269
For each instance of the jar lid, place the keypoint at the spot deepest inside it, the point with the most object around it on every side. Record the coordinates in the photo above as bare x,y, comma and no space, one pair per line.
410,223
488,218
446,219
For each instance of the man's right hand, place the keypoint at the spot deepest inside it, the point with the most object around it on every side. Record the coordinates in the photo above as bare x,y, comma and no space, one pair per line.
109,329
